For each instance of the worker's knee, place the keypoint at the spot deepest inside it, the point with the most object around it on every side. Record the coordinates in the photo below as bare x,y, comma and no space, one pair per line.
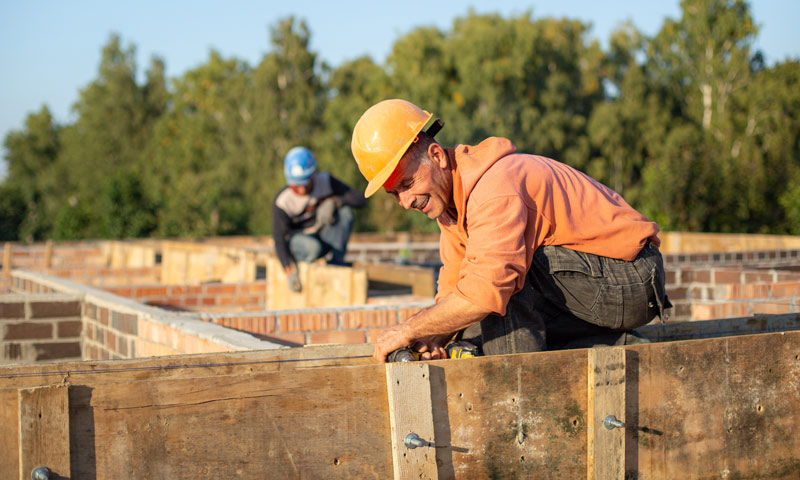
305,248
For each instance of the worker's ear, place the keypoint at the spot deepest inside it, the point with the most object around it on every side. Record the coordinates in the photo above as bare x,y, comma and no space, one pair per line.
437,155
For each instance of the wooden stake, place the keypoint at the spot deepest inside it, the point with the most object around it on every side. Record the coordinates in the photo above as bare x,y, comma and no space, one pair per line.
7,260
48,255
606,390
44,430
410,411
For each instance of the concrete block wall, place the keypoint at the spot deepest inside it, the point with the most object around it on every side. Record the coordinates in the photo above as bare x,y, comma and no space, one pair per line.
114,327
357,324
707,293
209,297
38,328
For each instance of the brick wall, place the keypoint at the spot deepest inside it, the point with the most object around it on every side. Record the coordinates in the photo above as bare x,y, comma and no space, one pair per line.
707,293
310,326
210,297
118,328
37,328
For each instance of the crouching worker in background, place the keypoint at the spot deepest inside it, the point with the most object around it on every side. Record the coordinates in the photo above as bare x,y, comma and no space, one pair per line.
312,216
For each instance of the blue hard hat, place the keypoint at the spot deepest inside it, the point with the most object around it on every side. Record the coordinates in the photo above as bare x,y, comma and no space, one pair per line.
298,166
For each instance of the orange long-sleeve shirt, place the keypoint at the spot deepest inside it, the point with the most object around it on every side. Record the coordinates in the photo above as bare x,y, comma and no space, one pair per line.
510,204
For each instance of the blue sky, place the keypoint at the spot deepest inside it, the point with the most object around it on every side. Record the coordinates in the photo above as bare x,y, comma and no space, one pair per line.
50,49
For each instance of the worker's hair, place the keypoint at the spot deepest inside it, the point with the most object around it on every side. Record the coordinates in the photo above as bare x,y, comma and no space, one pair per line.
418,151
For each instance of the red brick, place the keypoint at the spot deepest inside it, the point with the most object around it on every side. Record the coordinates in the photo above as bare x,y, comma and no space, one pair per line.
150,292
12,351
69,328
771,308
29,330
757,277
57,351
723,276
368,318
12,310
208,301
788,289
348,336
55,309
125,322
220,289
695,276
111,340
305,322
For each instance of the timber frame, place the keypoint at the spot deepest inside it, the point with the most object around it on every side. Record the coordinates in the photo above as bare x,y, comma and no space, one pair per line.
703,406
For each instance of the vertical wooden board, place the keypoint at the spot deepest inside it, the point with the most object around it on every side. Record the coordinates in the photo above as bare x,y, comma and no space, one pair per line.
44,430
409,390
719,408
606,397
512,416
316,423
9,433
323,286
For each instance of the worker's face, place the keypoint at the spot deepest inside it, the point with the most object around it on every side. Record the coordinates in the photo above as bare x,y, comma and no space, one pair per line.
423,186
301,189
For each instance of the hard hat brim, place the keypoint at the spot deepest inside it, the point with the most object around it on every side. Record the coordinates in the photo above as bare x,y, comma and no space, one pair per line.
378,180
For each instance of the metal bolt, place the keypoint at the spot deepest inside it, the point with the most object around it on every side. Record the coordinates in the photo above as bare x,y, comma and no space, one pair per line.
413,441
41,473
611,422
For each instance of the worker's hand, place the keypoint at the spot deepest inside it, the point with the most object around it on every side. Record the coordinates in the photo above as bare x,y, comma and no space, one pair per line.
294,279
326,212
432,347
294,283
389,340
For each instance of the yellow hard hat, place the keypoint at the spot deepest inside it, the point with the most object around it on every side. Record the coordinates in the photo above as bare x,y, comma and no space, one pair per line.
382,136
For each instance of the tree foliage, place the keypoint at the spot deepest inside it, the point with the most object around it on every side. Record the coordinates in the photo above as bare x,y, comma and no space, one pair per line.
690,125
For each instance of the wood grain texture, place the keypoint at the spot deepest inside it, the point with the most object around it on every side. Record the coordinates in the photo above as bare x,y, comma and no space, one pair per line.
410,411
315,423
606,396
717,408
44,430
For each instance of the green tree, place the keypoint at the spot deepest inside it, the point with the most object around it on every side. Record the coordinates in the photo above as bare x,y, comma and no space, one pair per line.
31,154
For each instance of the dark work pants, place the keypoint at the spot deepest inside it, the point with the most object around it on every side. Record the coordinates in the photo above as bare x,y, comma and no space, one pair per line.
330,238
573,299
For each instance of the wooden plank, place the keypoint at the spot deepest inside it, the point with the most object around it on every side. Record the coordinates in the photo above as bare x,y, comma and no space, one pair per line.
315,423
511,416
198,365
718,408
410,412
668,332
323,286
606,399
44,430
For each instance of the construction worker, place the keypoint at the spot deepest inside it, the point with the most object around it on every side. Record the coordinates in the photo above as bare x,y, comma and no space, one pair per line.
535,254
312,216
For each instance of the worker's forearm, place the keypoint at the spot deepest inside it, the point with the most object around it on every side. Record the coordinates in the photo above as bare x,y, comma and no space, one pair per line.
451,314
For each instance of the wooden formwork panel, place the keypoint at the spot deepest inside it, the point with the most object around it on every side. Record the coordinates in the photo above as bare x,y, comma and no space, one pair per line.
713,408
322,286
